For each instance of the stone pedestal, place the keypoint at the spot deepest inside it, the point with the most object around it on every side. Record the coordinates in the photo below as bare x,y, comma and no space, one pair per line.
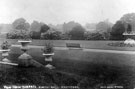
48,59
25,58
5,55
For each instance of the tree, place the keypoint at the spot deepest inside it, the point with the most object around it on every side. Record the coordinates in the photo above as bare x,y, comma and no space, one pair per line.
35,26
129,19
21,29
90,26
21,24
103,26
77,33
35,35
106,35
65,36
117,31
126,23
67,27
44,28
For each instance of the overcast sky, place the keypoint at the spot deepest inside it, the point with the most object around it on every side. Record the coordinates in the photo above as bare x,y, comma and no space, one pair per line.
59,11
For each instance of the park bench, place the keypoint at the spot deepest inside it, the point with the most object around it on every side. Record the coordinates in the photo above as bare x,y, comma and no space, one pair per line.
73,45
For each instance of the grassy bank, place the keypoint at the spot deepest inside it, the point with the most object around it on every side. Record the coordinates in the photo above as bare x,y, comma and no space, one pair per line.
100,75
70,73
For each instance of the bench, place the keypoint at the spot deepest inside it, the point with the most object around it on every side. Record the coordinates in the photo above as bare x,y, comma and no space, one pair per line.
73,45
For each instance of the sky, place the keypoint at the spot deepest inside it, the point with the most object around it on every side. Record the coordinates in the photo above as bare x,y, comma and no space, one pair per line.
60,11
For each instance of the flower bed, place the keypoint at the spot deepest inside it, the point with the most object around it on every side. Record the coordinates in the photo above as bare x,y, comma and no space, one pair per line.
121,44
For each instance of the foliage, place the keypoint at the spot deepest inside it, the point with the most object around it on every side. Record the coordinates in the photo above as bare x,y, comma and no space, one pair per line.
35,35
106,34
35,26
51,34
48,48
124,24
19,35
65,36
128,18
5,45
121,44
44,28
117,31
21,24
94,36
77,33
67,27
103,26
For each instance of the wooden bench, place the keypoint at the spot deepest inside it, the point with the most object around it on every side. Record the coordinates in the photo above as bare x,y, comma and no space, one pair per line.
73,45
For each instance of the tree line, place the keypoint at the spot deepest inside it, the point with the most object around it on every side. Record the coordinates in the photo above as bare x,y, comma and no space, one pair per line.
104,30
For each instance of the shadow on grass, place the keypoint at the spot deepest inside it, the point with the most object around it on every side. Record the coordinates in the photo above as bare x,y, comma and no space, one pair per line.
35,76
102,76
83,75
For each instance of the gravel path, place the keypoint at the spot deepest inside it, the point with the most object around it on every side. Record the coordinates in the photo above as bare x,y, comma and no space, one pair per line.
87,50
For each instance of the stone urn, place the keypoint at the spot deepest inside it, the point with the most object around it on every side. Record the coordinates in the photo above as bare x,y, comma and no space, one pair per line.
24,58
48,52
24,43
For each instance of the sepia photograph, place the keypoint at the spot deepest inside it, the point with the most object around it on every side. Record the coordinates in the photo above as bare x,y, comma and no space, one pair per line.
67,44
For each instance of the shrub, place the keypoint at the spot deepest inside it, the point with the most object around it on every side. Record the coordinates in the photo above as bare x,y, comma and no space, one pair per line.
5,45
19,35
48,48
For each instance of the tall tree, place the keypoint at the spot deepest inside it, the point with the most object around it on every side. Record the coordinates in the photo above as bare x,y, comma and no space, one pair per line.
35,26
117,31
77,33
129,19
21,24
44,28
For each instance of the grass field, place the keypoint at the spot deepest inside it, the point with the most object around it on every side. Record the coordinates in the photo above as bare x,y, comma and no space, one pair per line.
92,69
84,74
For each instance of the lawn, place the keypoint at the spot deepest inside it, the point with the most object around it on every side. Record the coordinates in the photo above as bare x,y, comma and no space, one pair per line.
10,75
82,74
86,70
84,44
100,75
